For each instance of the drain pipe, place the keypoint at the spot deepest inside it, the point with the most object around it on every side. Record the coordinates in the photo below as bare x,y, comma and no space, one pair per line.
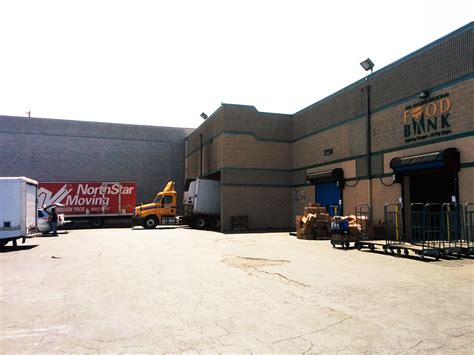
200,153
369,146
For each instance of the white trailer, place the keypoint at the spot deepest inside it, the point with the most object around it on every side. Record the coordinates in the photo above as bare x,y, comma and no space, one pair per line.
18,209
202,204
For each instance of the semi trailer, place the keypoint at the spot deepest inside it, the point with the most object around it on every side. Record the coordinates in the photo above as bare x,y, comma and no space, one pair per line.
92,203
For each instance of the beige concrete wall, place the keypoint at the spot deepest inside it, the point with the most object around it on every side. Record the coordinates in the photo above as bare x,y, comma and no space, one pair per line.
466,185
383,194
212,158
345,141
246,152
266,207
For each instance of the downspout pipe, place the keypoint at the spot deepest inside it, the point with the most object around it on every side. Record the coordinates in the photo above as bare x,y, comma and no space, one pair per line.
200,158
369,145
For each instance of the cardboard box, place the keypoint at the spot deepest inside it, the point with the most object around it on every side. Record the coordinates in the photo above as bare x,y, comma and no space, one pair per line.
298,222
354,230
303,234
314,204
314,210
323,217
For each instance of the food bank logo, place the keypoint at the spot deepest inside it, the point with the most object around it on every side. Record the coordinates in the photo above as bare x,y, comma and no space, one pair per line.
428,118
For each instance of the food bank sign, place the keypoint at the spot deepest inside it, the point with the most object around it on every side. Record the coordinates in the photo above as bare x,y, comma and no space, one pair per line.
427,118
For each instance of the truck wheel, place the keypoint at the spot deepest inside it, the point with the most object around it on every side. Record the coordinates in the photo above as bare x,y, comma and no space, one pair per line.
200,222
216,223
150,223
96,222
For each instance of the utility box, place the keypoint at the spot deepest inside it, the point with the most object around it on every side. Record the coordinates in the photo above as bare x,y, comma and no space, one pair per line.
18,208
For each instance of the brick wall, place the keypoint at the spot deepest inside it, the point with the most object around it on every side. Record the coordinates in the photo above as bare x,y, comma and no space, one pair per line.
261,149
266,207
60,150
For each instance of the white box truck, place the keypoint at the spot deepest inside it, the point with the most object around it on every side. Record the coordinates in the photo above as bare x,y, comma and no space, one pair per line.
18,209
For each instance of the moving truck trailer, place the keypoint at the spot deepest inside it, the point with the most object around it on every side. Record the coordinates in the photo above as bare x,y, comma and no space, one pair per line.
94,203
201,207
18,209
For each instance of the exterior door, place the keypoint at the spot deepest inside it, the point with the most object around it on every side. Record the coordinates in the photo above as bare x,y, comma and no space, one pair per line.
328,194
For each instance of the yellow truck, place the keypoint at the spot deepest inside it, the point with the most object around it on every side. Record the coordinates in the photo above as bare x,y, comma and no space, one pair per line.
159,211
201,205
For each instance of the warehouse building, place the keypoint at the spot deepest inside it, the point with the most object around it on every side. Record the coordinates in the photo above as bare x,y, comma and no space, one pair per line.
404,133
52,150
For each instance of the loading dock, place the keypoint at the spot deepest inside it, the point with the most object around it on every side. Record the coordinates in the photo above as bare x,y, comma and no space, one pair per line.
328,189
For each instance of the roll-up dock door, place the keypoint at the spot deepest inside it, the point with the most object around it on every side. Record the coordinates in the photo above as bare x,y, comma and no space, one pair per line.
430,177
427,178
328,185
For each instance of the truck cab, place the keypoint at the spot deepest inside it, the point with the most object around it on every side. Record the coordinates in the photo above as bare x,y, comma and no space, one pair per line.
153,214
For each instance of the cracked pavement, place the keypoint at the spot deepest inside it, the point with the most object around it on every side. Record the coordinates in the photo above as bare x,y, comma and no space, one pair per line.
185,291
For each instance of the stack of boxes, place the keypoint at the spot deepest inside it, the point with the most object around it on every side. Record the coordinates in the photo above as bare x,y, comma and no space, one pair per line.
314,224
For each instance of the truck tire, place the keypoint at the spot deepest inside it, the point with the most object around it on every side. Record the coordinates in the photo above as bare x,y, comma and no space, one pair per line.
150,223
216,223
200,223
96,222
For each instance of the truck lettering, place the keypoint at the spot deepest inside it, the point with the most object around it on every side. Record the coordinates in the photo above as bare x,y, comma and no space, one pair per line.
114,189
89,201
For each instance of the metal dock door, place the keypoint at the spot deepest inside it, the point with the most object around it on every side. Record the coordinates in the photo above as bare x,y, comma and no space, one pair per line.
328,194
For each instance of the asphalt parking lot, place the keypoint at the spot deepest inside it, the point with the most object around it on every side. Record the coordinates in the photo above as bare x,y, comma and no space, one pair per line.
180,290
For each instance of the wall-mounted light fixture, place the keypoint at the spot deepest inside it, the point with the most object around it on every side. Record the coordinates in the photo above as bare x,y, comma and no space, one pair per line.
424,94
367,65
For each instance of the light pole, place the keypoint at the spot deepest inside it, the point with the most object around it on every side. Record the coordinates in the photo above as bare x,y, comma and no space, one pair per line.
368,65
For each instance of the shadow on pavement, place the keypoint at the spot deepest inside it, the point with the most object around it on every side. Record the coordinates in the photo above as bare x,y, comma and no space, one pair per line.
160,228
9,249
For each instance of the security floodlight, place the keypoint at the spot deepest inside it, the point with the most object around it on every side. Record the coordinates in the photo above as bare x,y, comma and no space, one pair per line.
367,65
203,116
